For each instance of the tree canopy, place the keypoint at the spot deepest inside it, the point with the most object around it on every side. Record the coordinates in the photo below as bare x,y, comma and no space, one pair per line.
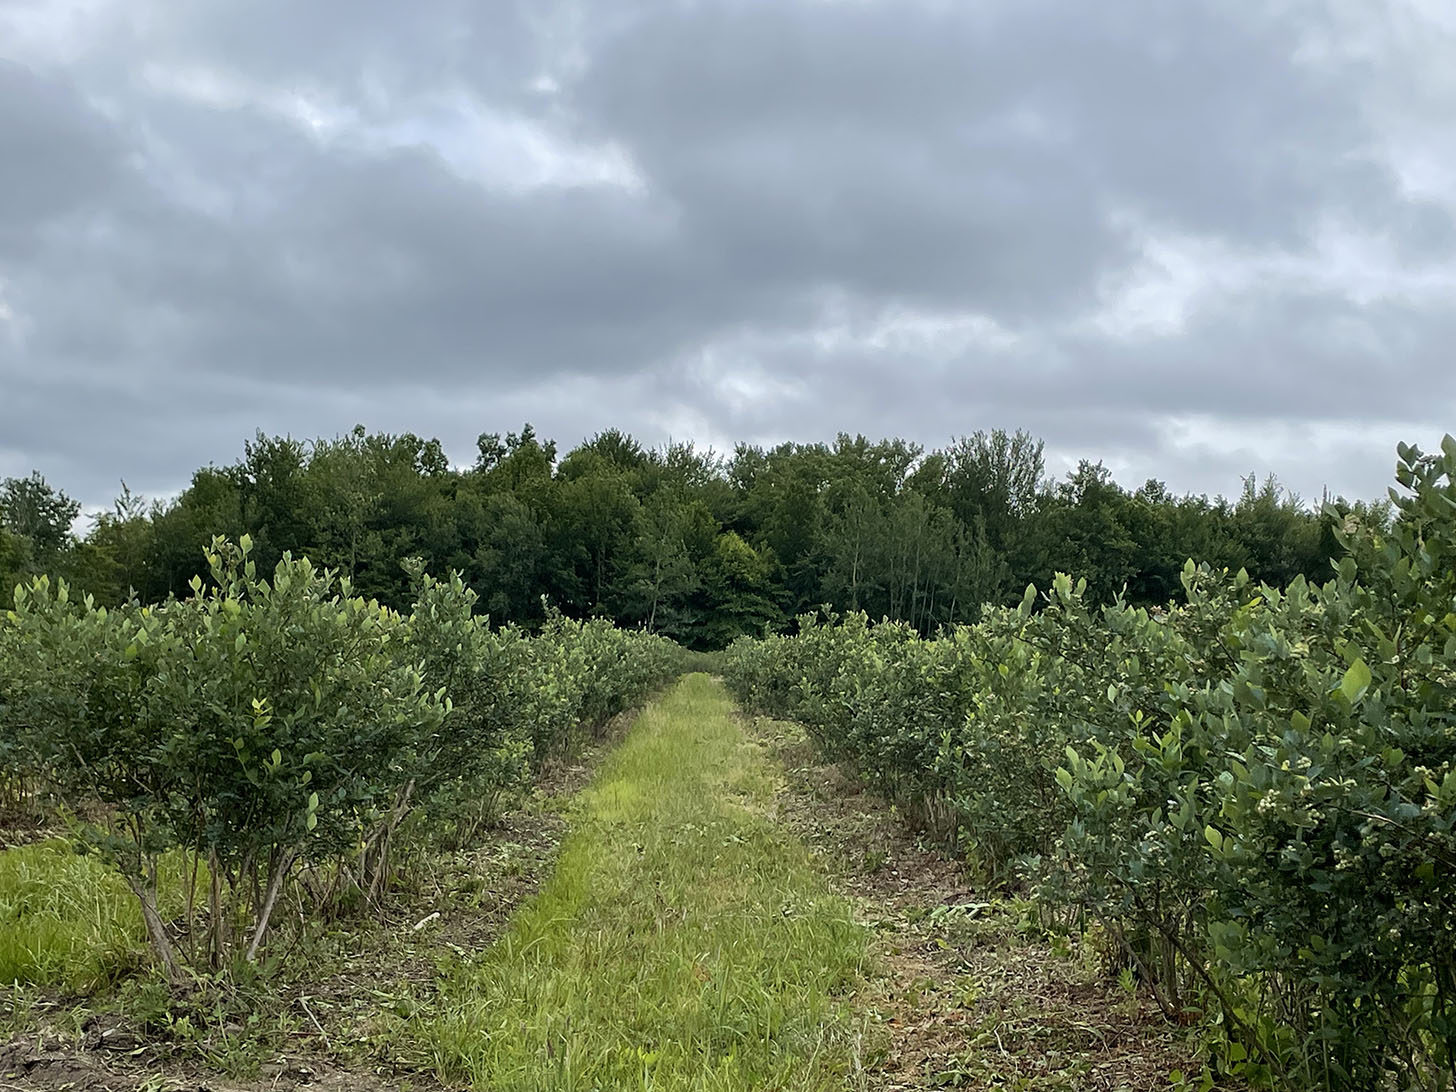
695,545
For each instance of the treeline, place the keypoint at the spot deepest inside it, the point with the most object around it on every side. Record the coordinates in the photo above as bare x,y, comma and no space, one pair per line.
696,546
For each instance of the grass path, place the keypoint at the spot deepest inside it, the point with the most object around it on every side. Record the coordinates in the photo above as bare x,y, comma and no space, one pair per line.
686,940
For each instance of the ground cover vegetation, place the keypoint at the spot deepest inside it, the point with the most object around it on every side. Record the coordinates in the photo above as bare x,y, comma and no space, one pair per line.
966,985
698,547
1248,794
686,940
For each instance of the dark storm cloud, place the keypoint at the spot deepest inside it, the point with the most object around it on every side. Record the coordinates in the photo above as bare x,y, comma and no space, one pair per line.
728,219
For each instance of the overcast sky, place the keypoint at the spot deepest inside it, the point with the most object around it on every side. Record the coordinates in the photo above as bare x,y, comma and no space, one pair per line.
1190,239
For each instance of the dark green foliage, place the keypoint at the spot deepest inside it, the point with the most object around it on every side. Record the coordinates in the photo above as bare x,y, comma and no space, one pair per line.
35,528
31,509
676,540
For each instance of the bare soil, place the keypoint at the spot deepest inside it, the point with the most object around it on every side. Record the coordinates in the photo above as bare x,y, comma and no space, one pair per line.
968,991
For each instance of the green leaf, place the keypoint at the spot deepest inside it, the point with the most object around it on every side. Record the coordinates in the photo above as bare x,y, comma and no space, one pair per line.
1355,682
1028,600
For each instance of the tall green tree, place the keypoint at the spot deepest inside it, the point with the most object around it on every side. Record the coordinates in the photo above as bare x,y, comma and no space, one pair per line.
32,509
35,529
739,592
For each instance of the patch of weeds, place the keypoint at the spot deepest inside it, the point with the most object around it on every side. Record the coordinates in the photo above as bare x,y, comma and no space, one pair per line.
1202,1081
69,921
873,860
232,1028
21,1012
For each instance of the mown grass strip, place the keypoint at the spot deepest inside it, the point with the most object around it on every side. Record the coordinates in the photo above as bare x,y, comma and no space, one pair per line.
684,942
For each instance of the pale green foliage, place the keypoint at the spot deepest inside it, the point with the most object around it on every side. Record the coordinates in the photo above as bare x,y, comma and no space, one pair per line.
254,724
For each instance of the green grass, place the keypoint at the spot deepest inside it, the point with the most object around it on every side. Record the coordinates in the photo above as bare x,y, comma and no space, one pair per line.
65,920
685,941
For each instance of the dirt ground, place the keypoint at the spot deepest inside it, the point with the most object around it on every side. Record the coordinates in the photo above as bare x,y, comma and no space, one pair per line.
968,991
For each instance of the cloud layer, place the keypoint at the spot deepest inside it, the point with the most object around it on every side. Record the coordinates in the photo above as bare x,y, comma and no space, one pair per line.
1193,240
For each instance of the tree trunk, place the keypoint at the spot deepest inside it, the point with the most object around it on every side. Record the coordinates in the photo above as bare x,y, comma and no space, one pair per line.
275,882
146,893
217,918
375,865
656,591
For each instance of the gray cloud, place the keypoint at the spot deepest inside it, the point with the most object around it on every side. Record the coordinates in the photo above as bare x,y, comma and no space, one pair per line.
1189,239
60,156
